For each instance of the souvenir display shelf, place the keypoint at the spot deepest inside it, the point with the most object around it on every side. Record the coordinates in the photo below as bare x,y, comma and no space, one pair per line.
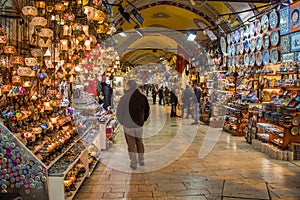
108,129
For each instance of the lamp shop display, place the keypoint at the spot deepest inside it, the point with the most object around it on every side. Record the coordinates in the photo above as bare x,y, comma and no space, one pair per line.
36,106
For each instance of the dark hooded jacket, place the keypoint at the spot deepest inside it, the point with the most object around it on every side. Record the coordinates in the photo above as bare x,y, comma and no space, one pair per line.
133,109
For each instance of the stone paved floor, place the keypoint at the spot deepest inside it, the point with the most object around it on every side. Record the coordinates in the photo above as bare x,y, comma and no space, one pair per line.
191,162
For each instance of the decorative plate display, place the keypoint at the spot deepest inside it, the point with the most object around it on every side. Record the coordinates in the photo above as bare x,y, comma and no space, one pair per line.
232,61
257,26
242,34
246,60
258,42
266,41
274,38
295,121
273,19
228,39
258,58
264,23
241,47
274,55
246,45
229,50
223,45
265,57
237,62
285,44
252,59
284,20
237,36
232,49
252,29
252,44
288,57
229,61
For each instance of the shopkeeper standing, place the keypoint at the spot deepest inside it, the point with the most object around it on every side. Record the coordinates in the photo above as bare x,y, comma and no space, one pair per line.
132,112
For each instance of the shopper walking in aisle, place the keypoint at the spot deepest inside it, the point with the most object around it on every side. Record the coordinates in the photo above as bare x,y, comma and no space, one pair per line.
161,95
154,93
174,102
167,95
186,102
132,112
196,102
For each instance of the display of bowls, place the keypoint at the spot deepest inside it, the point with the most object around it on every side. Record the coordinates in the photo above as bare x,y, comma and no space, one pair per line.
252,44
274,37
246,60
266,41
223,45
246,45
257,27
264,23
273,19
252,59
274,55
265,57
258,58
259,42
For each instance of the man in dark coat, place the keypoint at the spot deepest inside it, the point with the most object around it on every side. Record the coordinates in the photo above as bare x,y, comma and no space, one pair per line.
186,101
132,112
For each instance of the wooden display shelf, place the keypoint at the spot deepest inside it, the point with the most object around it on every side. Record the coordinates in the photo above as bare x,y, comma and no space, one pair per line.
234,132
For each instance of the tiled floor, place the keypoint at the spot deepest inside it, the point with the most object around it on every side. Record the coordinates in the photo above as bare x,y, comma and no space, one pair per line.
191,162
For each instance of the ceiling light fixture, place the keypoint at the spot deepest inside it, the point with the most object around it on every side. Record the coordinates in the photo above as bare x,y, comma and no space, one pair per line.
192,36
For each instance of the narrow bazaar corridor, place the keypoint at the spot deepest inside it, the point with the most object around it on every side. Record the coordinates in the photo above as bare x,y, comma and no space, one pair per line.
186,161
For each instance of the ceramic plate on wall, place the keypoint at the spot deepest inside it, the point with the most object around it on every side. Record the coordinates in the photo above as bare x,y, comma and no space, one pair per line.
237,36
223,45
265,57
264,23
233,49
228,39
257,27
284,20
246,60
274,38
241,47
266,41
252,44
237,48
258,42
229,50
252,29
252,59
274,55
242,34
246,31
246,45
232,38
273,19
258,58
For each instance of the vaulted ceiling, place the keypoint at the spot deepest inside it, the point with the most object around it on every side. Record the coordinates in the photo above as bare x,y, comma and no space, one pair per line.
179,16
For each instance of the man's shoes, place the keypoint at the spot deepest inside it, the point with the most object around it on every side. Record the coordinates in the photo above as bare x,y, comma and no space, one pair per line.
142,163
133,167
194,123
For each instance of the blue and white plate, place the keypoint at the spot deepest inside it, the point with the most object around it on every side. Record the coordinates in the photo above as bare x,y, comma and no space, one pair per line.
258,42
265,57
252,29
237,36
246,60
223,45
252,59
257,27
264,23
232,49
273,19
242,34
274,55
228,39
246,45
229,50
246,31
266,41
252,44
274,38
241,47
258,58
